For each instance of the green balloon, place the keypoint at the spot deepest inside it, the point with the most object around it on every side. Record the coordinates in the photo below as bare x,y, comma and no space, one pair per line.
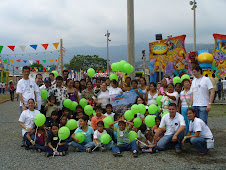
88,109
71,124
165,113
176,80
135,109
40,119
74,104
44,94
158,109
64,133
105,138
132,135
107,120
114,67
185,76
83,102
113,77
91,72
150,120
129,115
67,103
128,68
158,100
80,137
142,109
94,113
55,73
137,122
152,109
121,65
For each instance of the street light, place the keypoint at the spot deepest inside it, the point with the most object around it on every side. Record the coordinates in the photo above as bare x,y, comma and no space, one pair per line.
107,35
194,5
143,58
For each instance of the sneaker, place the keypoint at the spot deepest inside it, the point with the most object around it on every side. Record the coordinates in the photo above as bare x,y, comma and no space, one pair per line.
76,150
206,151
117,154
48,154
63,153
22,145
39,150
135,154
147,150
88,150
200,154
27,147
102,149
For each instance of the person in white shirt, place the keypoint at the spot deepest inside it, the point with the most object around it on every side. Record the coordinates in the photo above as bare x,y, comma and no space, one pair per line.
114,89
38,81
3,88
51,76
27,120
200,88
201,132
109,111
26,88
45,86
175,126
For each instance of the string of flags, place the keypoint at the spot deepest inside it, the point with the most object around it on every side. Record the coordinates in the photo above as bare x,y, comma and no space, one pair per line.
22,47
38,69
30,61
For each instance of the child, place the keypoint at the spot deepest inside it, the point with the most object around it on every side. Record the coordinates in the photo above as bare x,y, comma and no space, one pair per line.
65,112
63,121
141,135
149,140
97,134
55,146
40,140
87,144
109,111
75,115
50,106
52,119
123,142
97,118
154,128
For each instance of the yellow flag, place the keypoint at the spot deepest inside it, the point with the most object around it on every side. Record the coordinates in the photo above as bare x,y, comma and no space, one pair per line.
56,45
11,61
35,68
50,61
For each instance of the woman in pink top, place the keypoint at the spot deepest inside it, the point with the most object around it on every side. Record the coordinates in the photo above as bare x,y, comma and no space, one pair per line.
163,88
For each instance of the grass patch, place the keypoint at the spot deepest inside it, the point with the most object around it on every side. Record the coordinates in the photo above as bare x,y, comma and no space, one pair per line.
5,97
217,110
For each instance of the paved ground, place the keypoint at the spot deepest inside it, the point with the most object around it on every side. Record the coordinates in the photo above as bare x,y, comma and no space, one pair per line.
14,157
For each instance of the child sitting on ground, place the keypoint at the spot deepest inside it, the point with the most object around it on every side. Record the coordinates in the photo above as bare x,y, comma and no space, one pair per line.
109,111
97,118
52,119
123,141
97,134
149,140
55,146
154,128
141,135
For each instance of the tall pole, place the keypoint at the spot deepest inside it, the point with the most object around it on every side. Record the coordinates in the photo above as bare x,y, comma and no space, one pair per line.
194,26
160,68
61,56
130,35
107,35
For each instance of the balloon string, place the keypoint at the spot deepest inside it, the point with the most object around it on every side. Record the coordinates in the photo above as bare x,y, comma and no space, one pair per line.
141,142
95,147
35,133
56,148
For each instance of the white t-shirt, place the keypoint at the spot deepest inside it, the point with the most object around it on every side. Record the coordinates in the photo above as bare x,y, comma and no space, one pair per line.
199,126
103,98
152,99
3,85
27,118
224,84
172,125
113,91
200,89
98,134
27,88
112,115
141,136
38,96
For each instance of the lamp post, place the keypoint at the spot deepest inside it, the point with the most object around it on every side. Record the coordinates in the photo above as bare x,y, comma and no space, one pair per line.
194,5
143,58
107,35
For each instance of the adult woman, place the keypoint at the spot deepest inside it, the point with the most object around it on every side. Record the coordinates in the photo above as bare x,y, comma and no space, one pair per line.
140,100
127,84
71,91
114,89
151,96
135,88
201,133
169,97
83,84
87,145
27,121
103,97
88,93
184,102
11,90
78,88
178,87
163,88
143,86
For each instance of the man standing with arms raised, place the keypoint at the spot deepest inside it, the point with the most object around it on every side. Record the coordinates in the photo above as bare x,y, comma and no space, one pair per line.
200,98
26,88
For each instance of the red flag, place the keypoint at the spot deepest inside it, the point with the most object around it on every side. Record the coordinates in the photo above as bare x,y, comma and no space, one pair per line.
56,60
38,61
17,68
31,68
18,60
11,47
45,46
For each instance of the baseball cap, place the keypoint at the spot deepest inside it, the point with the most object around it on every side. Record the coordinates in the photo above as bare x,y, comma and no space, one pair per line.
47,79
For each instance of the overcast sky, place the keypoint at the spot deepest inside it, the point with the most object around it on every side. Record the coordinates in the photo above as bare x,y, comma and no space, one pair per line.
84,22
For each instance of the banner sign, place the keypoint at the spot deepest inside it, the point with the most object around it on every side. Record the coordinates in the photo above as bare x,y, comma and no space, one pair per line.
124,98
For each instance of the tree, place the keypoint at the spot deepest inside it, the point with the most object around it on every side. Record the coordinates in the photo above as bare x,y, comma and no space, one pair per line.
85,62
36,65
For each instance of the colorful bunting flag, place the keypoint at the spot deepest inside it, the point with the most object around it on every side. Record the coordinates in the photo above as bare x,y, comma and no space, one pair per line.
11,61
34,46
56,60
5,61
18,60
50,61
11,47
35,68
1,47
38,61
25,61
17,68
31,61
44,61
45,46
56,45
22,47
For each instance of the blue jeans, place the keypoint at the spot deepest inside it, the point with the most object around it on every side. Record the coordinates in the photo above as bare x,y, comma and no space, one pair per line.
187,121
125,147
166,142
106,146
83,146
201,112
199,144
27,142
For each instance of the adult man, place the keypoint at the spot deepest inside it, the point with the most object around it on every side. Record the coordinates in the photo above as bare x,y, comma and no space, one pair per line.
38,81
175,126
26,89
200,99
65,76
213,79
59,91
51,76
45,86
